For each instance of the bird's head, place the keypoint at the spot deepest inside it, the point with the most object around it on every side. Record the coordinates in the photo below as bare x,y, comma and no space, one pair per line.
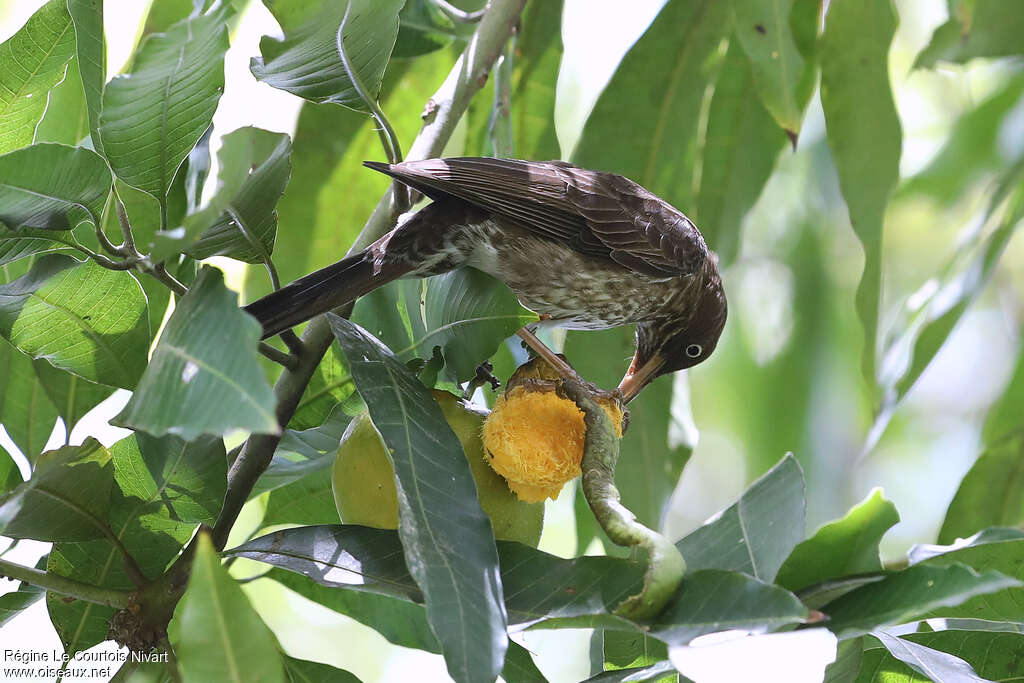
676,343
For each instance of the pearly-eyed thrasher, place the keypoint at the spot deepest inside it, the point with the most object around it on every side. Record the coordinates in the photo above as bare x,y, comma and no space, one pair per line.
583,249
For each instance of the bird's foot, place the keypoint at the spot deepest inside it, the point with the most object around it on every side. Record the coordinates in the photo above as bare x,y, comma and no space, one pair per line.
484,375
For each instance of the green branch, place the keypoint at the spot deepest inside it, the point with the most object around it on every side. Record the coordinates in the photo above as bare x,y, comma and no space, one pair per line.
54,583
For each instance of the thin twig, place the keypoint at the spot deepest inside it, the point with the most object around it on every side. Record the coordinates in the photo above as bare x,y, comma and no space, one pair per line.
111,597
159,271
126,229
292,341
461,16
280,357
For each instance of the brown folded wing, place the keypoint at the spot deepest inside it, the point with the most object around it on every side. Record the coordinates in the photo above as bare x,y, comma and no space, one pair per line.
599,214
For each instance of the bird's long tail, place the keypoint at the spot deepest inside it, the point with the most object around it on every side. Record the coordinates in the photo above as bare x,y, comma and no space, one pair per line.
322,291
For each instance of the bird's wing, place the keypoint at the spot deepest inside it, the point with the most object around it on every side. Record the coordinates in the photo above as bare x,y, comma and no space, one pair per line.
596,213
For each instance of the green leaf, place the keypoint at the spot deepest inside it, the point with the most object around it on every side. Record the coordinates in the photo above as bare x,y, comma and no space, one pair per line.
10,476
848,662
739,151
712,600
972,148
26,412
519,666
240,221
330,385
303,671
993,30
627,649
19,244
66,119
204,377
91,54
660,88
308,500
538,586
756,533
466,312
66,499
71,395
652,459
163,487
423,28
220,635
307,63
663,672
534,75
909,595
52,186
908,356
446,537
80,317
936,665
991,493
865,141
1004,416
401,622
993,656
763,29
12,604
989,557
845,546
153,117
32,62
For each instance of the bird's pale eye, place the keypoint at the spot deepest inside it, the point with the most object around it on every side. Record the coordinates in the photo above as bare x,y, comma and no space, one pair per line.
694,350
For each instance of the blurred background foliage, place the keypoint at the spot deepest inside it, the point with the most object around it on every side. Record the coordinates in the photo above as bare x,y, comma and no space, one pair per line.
789,373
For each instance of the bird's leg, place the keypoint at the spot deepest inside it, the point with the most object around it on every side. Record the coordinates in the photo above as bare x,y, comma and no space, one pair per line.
563,368
553,359
484,375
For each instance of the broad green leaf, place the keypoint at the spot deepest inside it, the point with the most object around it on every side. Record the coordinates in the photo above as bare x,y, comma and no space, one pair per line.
659,88
52,186
938,666
66,499
712,600
330,386
153,117
538,586
307,63
303,671
422,28
10,476
520,667
13,603
909,595
66,120
865,141
143,672
465,312
308,500
70,394
534,75
845,546
80,317
204,377
401,622
91,52
628,649
909,356
220,635
26,412
993,30
663,672
163,487
304,454
996,556
739,151
756,533
32,61
446,537
847,666
651,461
972,148
241,222
1005,416
991,493
993,656
18,244
763,29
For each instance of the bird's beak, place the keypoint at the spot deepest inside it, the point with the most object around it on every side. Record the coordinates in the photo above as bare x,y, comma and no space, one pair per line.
638,377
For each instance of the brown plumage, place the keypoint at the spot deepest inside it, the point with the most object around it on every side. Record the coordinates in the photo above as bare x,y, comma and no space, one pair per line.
585,249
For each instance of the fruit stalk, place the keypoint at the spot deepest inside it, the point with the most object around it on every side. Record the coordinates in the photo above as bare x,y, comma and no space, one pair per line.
666,566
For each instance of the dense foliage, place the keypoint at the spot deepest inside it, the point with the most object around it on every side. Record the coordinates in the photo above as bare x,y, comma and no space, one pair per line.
109,216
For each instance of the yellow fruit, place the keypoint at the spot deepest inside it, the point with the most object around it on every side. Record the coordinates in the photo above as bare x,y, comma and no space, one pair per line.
364,480
534,438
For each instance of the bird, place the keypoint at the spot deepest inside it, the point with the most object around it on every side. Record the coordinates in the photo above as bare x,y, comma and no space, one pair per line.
583,249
